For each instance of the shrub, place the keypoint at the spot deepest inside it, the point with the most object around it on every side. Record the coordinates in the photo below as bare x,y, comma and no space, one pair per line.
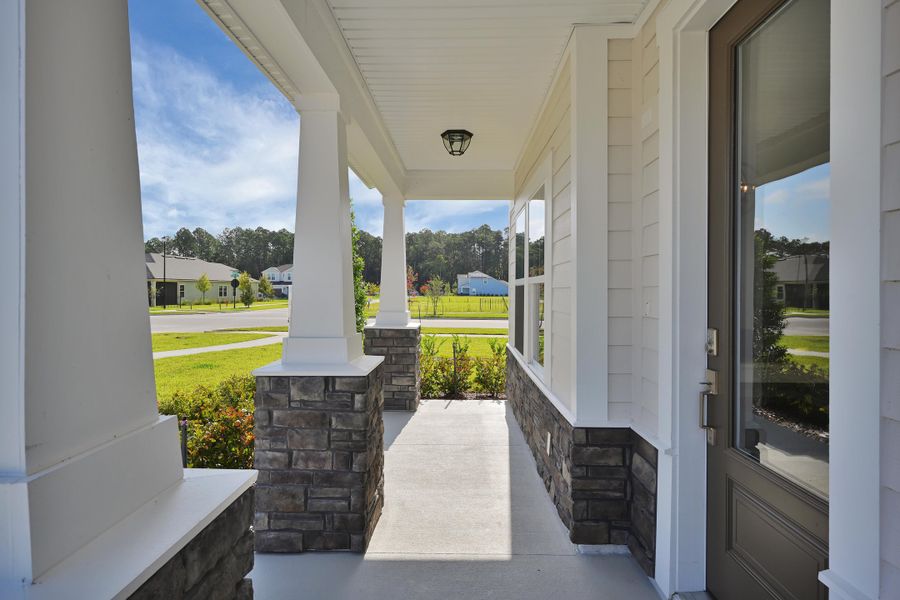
219,423
454,373
794,391
428,367
490,372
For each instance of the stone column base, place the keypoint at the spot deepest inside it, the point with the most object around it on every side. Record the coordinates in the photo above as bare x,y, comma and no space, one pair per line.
320,456
212,565
400,348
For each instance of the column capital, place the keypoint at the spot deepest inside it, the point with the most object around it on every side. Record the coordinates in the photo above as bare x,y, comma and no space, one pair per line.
318,101
393,200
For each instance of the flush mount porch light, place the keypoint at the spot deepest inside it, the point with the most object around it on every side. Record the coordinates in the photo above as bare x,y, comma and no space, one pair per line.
456,141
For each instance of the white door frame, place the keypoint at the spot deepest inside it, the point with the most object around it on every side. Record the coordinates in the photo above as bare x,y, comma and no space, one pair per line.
682,35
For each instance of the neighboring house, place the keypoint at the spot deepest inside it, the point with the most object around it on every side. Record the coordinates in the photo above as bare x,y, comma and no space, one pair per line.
802,281
477,283
176,281
281,278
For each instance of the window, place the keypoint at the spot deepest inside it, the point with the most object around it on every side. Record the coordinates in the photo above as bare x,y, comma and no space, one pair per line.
519,300
530,281
181,290
536,258
223,291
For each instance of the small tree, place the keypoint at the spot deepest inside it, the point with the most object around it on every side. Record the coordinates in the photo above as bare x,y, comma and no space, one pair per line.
411,277
246,287
265,287
359,265
434,290
203,286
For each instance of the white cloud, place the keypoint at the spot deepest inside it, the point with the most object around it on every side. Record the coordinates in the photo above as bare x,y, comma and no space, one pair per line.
210,155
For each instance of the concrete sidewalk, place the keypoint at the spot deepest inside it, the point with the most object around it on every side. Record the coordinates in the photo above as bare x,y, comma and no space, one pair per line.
273,338
466,516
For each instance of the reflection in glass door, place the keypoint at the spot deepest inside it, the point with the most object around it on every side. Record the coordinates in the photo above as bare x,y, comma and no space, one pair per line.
782,247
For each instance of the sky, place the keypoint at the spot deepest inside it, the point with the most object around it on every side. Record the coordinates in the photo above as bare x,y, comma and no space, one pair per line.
217,142
797,207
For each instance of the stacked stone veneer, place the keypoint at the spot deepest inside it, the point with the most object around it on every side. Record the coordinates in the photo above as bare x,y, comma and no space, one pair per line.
400,349
601,480
320,457
213,564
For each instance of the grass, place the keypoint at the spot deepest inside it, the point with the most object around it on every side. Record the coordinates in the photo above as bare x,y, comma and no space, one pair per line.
195,308
179,341
815,343
479,347
494,331
460,307
811,361
793,311
209,368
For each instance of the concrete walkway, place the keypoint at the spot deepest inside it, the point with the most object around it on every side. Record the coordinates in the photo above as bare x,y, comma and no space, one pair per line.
273,338
466,516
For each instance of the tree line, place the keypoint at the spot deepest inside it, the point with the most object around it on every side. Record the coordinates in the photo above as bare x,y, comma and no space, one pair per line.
429,253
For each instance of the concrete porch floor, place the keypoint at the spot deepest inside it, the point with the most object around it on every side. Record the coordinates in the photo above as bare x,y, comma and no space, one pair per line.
465,516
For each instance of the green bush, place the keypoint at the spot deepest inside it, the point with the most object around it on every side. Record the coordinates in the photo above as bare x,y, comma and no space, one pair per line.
490,373
794,391
453,373
428,367
219,423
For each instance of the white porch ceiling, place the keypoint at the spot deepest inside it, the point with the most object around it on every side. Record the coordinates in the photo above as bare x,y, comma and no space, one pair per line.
481,65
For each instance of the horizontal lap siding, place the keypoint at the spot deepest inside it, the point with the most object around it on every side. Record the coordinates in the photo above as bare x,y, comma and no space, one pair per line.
645,212
620,231
553,136
890,300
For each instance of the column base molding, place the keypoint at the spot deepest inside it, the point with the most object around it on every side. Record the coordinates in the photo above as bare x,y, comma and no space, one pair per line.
321,351
392,318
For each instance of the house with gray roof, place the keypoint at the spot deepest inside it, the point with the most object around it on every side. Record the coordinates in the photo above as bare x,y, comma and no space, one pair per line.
281,278
173,280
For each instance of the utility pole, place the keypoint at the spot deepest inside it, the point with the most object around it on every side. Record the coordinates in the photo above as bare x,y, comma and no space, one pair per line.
164,240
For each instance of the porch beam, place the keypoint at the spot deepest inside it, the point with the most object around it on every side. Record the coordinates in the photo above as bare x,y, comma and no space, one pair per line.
393,310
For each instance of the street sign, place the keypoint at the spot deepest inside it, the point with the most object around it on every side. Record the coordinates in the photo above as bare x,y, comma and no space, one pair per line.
234,283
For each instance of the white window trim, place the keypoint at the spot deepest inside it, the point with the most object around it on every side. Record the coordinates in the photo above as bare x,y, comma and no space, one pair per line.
542,177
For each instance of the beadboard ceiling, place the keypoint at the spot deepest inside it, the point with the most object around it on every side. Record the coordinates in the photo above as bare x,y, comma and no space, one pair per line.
481,65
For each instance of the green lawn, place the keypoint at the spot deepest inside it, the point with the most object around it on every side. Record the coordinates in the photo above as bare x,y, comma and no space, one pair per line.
478,346
209,368
178,341
793,311
258,305
815,343
460,307
811,361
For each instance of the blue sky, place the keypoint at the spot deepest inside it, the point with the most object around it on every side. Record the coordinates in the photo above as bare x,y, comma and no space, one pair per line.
797,207
217,142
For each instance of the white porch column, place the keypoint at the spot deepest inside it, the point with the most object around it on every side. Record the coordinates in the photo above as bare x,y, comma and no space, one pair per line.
393,310
83,450
323,327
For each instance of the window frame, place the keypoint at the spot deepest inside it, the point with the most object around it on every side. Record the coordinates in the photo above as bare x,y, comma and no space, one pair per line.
540,179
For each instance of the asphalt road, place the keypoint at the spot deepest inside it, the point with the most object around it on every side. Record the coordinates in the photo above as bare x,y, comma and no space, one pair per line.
225,320
806,326
273,318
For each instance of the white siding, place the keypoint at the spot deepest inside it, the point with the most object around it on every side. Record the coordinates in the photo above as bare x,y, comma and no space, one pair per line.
553,137
890,300
645,215
620,225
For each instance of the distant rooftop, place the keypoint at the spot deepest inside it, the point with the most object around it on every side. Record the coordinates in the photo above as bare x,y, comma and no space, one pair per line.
185,267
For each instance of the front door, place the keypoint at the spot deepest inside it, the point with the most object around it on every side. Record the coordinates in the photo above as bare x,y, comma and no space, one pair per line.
767,530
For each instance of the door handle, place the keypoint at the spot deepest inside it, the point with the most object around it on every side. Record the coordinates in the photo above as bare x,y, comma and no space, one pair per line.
704,410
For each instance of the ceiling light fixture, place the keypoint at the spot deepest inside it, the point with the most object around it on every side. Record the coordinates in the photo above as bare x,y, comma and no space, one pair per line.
456,141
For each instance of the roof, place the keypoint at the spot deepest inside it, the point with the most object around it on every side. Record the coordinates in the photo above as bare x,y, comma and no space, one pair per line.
279,268
184,267
807,267
477,275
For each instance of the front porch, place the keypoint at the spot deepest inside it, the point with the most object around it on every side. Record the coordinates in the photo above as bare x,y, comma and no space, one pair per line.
465,516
